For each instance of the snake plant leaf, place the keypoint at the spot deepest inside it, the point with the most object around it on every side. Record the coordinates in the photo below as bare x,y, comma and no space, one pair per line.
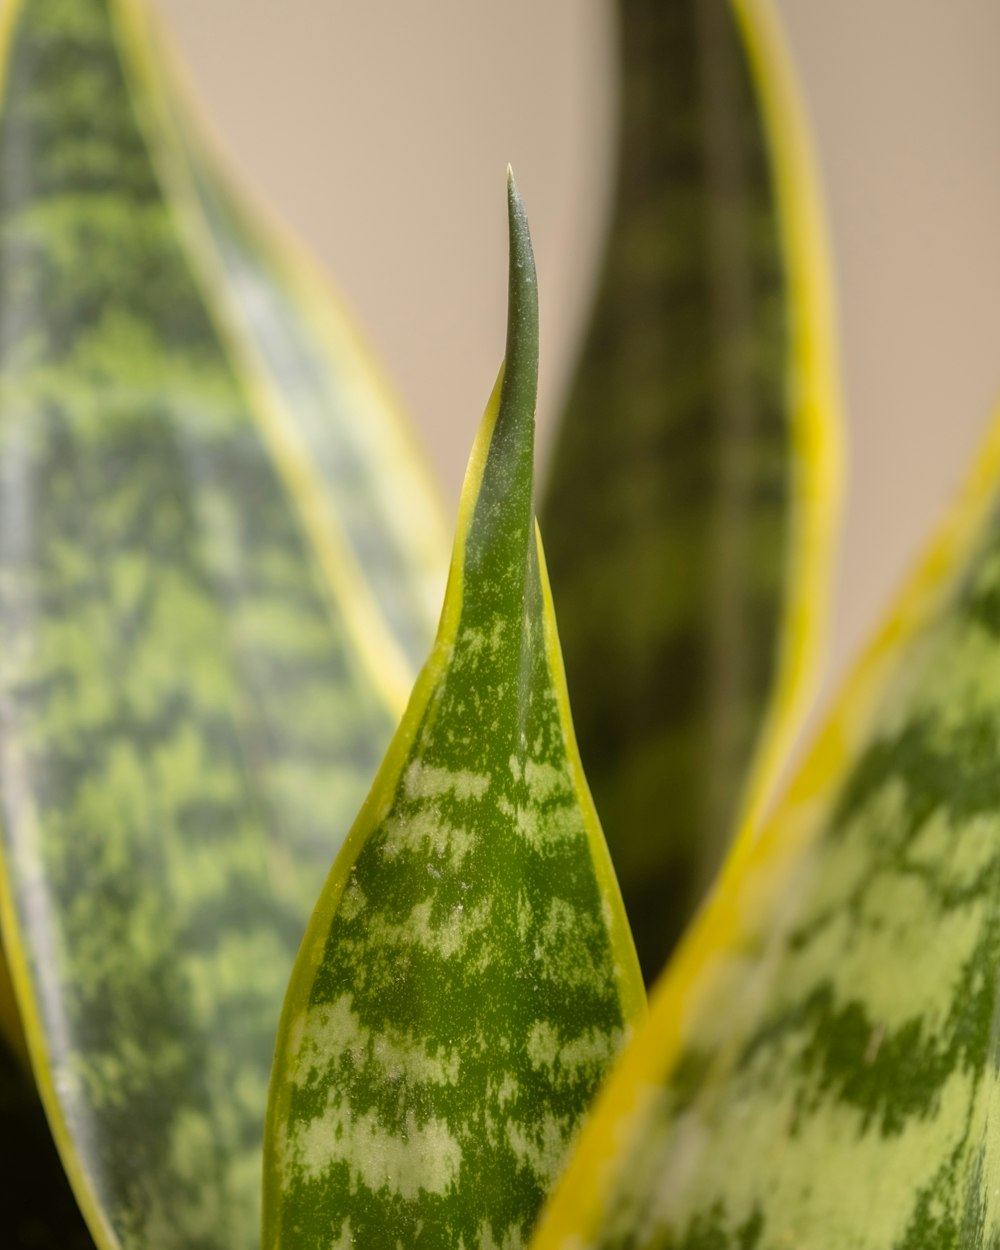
301,350
197,681
819,1069
39,1210
468,973
695,469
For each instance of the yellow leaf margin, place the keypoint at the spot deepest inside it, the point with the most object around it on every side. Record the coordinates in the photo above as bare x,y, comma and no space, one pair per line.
757,861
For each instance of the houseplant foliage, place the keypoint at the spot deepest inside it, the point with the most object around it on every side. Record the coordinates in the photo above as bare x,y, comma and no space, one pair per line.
468,974
201,663
819,1066
211,614
696,465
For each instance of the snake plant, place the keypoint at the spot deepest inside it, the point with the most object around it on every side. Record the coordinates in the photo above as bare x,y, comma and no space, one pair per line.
220,570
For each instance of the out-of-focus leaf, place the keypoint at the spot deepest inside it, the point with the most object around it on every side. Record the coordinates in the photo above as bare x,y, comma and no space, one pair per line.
196,679
468,973
301,350
820,1065
688,516
38,1210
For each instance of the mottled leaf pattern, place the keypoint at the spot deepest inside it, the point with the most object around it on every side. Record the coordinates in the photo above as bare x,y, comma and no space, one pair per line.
820,1069
687,513
190,712
335,408
468,974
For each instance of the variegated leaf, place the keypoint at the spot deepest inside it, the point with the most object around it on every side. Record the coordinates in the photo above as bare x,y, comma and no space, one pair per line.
820,1069
334,423
197,680
688,511
468,974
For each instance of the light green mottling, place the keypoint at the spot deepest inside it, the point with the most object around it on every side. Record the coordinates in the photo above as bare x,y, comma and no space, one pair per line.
542,1144
467,978
428,831
405,1161
838,1085
593,1049
333,400
187,723
423,780
442,933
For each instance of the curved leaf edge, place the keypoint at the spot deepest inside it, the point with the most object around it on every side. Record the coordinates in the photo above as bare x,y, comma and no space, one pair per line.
633,995
10,1020
814,382
766,848
757,862
20,1019
325,307
388,668
36,1043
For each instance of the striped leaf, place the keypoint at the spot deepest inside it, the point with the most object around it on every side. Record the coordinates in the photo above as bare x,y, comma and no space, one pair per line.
197,680
331,416
820,1066
468,973
695,468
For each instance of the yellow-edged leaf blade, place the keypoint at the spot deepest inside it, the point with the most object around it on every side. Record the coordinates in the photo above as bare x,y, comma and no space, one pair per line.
468,974
697,465
819,1066
193,681
364,488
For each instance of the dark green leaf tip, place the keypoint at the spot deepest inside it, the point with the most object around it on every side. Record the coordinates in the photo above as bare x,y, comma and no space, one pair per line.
520,385
501,533
501,527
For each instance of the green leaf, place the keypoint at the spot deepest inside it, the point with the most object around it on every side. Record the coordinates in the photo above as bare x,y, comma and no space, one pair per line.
197,680
819,1069
334,417
468,973
695,470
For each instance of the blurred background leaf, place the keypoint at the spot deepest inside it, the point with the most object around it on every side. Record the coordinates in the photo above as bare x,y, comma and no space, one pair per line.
902,120
819,1067
203,657
688,509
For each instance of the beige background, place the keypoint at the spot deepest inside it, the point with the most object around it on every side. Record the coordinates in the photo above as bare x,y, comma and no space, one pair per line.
381,130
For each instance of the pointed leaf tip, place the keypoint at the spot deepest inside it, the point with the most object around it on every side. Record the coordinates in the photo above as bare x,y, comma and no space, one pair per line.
498,496
520,385
468,976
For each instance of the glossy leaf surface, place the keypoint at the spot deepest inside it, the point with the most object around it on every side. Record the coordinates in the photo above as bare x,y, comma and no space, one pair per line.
468,974
687,515
820,1065
196,682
